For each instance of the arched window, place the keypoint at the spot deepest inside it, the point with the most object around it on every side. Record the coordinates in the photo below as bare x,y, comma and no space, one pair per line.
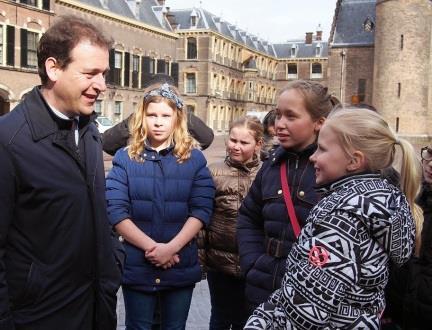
316,71
192,53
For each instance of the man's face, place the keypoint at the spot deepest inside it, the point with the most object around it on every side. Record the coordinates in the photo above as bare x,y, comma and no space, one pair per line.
78,85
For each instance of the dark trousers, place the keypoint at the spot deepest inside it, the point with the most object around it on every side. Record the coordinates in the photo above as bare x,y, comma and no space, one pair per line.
228,301
173,307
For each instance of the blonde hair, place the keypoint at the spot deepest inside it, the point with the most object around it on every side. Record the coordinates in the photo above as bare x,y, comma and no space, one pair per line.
368,132
183,142
251,123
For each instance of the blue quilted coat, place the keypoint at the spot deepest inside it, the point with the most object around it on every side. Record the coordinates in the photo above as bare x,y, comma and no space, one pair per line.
159,195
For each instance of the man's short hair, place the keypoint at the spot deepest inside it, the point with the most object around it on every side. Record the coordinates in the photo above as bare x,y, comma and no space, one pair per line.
59,40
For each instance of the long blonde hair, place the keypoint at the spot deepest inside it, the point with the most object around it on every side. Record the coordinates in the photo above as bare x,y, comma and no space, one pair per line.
183,142
366,131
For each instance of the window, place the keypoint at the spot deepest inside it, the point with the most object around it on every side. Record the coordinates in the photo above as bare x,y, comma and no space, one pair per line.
41,4
401,41
118,108
118,65
167,67
368,25
318,50
316,71
190,83
98,107
191,49
292,71
190,109
135,71
399,90
397,124
29,41
293,51
361,90
2,45
152,66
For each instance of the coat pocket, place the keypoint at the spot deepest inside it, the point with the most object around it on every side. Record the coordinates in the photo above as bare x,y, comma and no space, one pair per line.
34,286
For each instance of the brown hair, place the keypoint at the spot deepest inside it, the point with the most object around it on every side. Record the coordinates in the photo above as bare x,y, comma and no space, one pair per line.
59,40
317,101
183,142
252,123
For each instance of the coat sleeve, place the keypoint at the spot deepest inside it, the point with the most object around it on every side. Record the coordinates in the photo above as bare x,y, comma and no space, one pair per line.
203,190
200,131
117,190
8,184
116,137
250,226
320,270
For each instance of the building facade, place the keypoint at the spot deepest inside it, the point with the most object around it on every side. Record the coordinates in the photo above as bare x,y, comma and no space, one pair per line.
222,71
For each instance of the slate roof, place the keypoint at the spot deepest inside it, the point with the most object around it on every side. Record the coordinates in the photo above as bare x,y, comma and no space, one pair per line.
302,50
349,25
206,20
149,11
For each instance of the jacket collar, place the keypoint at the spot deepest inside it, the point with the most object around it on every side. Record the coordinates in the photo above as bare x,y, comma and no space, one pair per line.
247,167
346,181
281,153
43,122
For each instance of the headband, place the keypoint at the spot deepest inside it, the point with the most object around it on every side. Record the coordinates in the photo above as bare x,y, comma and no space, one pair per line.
165,91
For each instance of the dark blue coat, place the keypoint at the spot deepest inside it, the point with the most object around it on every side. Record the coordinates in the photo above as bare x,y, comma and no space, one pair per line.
159,195
264,231
58,266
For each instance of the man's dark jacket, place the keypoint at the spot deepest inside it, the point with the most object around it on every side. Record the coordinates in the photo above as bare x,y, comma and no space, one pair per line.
117,136
59,268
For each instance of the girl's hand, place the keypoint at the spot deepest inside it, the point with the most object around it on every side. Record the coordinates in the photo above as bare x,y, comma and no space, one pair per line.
174,260
160,254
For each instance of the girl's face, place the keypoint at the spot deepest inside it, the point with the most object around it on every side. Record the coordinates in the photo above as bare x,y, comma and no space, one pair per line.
330,160
294,126
241,145
426,155
159,120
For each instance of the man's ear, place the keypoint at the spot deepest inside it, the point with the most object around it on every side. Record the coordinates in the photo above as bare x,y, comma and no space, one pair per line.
52,68
319,123
357,163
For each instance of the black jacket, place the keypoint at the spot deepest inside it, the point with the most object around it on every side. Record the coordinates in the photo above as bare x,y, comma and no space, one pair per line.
264,232
117,136
409,292
58,265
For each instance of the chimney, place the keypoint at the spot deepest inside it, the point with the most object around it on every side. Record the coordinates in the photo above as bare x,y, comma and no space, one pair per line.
319,33
308,40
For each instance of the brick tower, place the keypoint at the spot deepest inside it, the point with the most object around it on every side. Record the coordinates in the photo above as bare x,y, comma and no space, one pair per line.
402,81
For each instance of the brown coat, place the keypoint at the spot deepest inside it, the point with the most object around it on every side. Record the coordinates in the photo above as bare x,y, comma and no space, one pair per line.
232,183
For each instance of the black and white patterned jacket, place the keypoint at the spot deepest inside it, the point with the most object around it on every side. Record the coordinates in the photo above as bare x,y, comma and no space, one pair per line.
337,271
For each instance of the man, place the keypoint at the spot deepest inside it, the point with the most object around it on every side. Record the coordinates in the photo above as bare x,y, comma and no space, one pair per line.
117,136
58,265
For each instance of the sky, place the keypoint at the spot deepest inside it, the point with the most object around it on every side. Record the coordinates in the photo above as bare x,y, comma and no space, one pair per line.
272,20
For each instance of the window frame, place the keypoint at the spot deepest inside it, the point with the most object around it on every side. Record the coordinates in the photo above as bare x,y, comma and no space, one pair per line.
188,85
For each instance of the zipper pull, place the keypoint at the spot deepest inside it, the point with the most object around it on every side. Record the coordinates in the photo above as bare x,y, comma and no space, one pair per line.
296,165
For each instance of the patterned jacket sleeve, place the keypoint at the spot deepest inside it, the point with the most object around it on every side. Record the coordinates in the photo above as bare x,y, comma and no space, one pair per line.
320,269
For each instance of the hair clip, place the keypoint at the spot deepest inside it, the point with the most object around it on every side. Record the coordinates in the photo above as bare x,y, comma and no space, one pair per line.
165,91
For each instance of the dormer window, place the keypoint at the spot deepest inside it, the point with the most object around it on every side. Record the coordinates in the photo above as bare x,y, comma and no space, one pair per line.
318,50
193,18
368,25
293,50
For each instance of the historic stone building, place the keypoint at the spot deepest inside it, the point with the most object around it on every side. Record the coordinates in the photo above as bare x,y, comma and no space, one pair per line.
381,54
21,25
222,71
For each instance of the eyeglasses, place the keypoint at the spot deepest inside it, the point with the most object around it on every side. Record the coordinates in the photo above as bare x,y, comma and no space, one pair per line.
426,154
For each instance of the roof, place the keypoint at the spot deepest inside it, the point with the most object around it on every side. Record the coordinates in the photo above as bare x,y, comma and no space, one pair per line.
301,50
354,23
207,20
148,11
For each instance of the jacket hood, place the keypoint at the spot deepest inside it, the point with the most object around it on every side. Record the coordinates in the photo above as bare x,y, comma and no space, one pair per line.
382,208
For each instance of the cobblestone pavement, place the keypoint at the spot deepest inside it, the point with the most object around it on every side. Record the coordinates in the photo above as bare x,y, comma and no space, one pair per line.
199,314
